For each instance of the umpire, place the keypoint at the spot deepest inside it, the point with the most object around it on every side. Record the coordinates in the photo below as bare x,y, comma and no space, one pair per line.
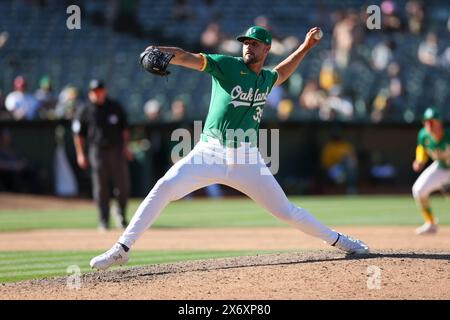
102,126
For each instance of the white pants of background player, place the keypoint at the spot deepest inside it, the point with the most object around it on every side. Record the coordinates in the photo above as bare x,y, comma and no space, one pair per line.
210,163
431,179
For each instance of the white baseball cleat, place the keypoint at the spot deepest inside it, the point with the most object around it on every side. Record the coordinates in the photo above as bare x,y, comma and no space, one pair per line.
427,228
114,256
350,245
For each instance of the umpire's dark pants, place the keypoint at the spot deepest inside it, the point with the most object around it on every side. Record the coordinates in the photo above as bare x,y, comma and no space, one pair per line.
109,165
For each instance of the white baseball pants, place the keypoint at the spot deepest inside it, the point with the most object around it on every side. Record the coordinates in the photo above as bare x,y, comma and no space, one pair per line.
431,179
209,163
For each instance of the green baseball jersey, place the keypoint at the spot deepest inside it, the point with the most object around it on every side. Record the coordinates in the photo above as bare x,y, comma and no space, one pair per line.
437,150
238,96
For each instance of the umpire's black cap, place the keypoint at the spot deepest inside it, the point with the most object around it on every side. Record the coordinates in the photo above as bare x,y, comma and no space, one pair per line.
96,84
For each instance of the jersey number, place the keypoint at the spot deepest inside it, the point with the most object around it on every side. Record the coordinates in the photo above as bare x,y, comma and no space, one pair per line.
258,115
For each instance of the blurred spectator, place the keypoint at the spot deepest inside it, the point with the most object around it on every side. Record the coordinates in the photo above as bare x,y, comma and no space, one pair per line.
380,105
428,50
280,45
395,81
4,36
312,97
290,43
284,110
276,47
21,104
415,11
336,106
381,171
17,174
348,46
177,110
445,58
46,99
383,54
328,76
347,34
211,37
340,162
263,21
152,109
389,102
68,103
230,46
390,18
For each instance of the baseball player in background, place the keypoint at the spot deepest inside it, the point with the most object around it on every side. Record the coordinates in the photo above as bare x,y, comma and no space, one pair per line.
240,86
433,141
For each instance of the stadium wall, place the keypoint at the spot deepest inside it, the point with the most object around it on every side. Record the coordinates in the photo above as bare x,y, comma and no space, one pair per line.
299,159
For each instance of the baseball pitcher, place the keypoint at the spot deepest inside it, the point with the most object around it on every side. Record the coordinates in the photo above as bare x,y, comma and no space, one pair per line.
240,86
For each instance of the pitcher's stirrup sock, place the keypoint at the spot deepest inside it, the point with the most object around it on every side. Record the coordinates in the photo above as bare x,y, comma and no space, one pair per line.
124,247
339,235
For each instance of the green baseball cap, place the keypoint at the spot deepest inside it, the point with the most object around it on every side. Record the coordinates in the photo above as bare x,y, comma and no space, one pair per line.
431,113
257,33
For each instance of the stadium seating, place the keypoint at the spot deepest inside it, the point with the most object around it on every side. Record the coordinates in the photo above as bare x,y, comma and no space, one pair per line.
41,44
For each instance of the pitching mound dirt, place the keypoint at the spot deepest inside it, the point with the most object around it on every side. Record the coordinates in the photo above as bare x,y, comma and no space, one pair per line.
403,266
303,275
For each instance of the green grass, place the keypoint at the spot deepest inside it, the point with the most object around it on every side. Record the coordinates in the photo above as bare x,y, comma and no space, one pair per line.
24,265
331,210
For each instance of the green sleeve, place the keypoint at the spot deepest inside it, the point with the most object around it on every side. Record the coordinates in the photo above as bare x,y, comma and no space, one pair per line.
218,65
273,77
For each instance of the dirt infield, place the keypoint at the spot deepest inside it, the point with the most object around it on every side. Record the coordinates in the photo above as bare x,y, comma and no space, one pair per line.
303,275
410,267
401,265
379,238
